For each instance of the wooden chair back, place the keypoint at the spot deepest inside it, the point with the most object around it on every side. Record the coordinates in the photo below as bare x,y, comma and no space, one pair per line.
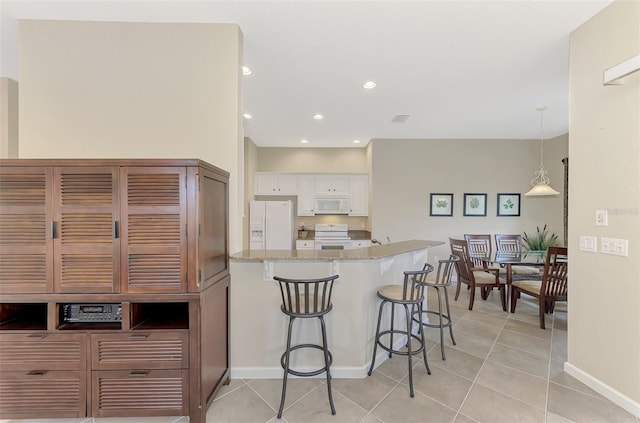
478,245
506,243
554,278
460,249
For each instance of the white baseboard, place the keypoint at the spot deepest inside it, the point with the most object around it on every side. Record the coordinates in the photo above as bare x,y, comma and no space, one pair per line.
602,388
337,372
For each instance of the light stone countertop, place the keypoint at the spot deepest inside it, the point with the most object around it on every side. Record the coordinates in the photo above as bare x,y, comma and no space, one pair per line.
367,253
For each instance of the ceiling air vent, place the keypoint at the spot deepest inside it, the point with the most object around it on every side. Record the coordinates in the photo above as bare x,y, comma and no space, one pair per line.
400,118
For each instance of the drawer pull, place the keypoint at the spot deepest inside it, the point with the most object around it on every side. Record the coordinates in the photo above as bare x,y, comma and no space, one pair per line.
37,335
37,373
139,373
140,336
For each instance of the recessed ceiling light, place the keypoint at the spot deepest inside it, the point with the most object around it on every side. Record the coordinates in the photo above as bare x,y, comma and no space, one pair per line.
246,71
356,141
318,116
304,141
247,116
368,85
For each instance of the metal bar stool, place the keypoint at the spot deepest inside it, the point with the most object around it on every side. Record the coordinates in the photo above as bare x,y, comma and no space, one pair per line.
409,294
442,281
306,298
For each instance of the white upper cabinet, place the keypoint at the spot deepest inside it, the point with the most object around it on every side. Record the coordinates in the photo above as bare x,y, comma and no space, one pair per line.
275,184
332,184
305,195
359,189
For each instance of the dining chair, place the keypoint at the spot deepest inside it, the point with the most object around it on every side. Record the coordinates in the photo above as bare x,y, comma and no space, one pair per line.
512,243
552,287
473,277
480,245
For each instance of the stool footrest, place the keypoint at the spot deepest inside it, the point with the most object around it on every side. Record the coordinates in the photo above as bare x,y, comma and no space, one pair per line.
311,372
399,352
445,324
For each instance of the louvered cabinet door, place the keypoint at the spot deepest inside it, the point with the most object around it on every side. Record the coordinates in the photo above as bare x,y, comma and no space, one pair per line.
86,244
129,393
154,229
140,350
44,394
26,246
43,350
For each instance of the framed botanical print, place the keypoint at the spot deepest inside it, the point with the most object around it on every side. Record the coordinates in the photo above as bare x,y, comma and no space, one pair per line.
509,204
475,204
441,204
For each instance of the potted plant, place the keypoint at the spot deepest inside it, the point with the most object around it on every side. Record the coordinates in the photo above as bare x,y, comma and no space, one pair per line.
541,240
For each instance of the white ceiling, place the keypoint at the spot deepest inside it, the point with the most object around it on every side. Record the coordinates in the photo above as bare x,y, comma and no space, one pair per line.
461,69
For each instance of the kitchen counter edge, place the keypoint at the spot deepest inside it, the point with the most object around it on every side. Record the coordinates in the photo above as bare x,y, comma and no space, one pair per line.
367,253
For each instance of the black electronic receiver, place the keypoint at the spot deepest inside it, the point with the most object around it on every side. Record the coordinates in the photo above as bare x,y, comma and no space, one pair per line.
73,313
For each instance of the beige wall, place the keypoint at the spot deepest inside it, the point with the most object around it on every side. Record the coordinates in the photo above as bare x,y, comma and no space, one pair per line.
405,172
604,144
8,118
134,90
308,160
250,166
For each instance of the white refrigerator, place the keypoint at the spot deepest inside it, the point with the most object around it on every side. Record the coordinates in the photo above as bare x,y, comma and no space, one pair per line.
271,225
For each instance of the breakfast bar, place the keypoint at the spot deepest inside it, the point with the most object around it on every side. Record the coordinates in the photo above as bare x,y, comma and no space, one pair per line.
258,327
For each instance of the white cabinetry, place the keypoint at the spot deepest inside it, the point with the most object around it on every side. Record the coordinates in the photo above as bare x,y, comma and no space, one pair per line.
305,195
359,190
305,245
332,184
275,184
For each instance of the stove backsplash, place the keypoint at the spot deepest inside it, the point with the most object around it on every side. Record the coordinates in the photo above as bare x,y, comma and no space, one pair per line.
356,223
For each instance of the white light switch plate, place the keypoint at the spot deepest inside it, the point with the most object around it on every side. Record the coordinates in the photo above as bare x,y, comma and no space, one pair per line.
614,246
589,243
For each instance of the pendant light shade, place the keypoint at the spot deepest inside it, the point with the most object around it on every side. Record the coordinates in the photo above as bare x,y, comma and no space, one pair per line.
540,183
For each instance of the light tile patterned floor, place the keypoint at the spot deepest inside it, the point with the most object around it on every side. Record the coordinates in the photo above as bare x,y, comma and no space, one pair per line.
503,369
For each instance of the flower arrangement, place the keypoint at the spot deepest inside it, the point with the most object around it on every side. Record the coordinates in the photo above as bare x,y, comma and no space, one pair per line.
541,240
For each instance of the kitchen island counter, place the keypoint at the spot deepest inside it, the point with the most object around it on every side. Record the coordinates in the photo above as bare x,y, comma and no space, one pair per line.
258,327
368,253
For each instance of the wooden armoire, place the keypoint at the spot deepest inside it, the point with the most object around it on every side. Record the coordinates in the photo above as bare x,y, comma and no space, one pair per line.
114,287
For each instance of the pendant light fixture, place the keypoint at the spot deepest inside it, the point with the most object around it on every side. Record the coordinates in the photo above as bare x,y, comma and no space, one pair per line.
540,184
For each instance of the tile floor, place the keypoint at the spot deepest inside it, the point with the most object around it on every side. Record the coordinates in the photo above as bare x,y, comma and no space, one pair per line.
503,369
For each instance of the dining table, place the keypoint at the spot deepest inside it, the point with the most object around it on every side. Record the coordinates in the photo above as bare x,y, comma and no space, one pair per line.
510,259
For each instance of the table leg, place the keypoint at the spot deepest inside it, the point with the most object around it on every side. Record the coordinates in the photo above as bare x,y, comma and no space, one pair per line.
508,288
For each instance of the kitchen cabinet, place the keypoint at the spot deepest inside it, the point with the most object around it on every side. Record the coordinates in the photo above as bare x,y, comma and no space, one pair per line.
332,184
148,237
305,245
359,192
275,184
305,195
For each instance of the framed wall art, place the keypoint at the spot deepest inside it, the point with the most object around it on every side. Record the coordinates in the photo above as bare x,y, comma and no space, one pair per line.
441,204
475,204
509,204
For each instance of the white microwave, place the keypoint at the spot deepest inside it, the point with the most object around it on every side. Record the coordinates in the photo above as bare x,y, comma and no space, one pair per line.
332,205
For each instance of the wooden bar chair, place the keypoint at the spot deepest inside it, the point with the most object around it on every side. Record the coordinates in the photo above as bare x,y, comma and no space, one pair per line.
512,243
552,287
472,277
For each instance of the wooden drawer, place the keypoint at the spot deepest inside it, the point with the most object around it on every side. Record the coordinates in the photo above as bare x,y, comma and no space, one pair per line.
122,393
140,350
43,351
43,394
